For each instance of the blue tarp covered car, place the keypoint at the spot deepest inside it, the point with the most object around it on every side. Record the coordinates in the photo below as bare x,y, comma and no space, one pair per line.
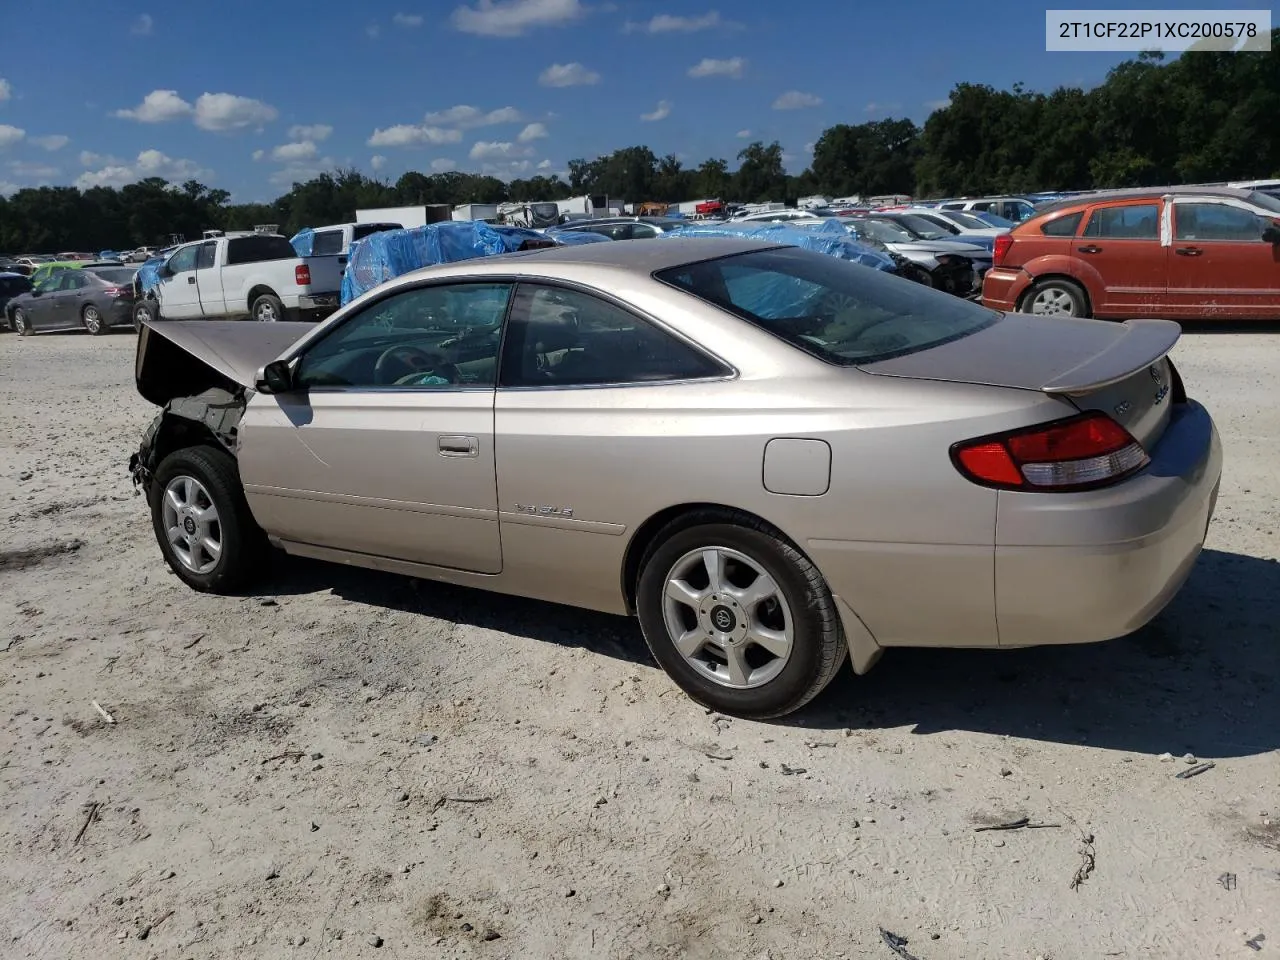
381,256
830,238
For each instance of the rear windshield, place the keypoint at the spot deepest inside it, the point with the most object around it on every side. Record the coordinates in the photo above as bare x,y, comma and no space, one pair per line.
114,274
838,311
326,243
257,249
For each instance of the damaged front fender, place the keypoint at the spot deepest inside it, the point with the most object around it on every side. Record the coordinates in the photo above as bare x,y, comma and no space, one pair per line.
209,418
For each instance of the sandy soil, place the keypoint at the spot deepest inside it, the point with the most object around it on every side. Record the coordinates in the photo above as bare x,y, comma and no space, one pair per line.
356,764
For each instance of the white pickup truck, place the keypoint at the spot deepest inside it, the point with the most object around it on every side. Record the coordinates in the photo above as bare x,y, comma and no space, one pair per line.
231,278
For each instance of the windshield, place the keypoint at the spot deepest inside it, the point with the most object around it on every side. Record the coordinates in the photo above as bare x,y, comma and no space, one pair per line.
1266,200
837,311
925,227
970,222
114,274
886,231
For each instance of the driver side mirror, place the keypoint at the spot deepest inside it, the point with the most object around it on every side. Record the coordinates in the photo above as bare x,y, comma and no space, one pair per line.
1271,234
275,377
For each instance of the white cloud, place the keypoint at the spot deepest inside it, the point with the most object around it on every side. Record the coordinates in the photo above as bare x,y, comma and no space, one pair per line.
493,150
466,117
874,107
222,112
938,104
796,100
506,171
443,165
742,134
406,134
259,154
150,163
51,142
158,106
808,147
314,132
90,159
10,135
142,27
665,23
294,152
292,173
33,171
6,91
407,20
661,112
511,18
534,131
545,165
708,67
373,31
568,75
377,162
8,189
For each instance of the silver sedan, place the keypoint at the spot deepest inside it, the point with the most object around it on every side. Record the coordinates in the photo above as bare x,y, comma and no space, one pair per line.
773,458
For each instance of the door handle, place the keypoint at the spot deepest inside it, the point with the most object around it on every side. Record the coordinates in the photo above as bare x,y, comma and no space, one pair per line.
458,446
1188,251
191,279
1089,248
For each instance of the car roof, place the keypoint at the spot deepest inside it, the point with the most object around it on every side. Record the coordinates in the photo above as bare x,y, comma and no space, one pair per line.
1143,193
641,257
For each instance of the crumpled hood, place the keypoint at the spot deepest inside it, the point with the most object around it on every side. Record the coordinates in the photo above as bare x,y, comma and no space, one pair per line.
183,358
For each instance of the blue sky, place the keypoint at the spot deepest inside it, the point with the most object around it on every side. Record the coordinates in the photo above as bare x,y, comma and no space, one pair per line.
262,93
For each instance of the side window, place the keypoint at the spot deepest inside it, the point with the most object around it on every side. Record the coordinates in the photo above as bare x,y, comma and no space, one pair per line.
1137,221
204,257
561,337
326,243
1062,226
983,205
643,231
1215,221
74,280
439,336
184,259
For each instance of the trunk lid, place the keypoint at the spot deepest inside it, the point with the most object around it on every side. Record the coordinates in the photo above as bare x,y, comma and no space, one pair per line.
182,359
1120,369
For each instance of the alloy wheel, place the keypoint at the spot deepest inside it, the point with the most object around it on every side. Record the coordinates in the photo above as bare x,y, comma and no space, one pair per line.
191,524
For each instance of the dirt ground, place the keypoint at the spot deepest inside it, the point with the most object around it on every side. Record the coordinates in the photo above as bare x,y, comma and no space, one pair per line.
357,764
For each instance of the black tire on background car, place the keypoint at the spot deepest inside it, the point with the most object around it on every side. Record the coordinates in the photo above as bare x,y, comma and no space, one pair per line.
1055,297
93,320
917,273
21,325
708,635
268,308
202,521
145,311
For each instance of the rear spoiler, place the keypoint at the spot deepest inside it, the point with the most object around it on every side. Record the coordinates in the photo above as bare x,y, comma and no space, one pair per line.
1143,343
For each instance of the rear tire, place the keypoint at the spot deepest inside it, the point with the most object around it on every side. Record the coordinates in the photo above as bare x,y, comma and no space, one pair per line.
268,309
21,325
768,590
1055,298
202,521
93,320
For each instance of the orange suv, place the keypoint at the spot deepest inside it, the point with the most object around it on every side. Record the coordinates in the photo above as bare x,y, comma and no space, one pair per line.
1193,253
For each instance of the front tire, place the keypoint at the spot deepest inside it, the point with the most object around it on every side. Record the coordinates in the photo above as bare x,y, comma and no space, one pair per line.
202,521
268,309
145,311
21,324
1055,298
738,617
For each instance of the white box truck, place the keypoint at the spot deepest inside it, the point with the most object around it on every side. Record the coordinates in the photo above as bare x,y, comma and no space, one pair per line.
488,212
408,216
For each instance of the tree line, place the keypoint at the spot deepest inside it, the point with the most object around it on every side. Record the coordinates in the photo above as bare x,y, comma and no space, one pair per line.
1201,117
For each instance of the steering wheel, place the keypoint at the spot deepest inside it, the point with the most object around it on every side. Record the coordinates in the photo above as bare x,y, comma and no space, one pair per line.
405,360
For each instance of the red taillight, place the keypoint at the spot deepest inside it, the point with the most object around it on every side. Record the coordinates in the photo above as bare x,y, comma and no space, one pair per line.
1003,243
1089,450
302,275
118,292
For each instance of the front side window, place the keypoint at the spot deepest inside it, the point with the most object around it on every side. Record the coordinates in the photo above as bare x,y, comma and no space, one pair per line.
1136,221
561,337
1216,221
441,336
184,260
838,311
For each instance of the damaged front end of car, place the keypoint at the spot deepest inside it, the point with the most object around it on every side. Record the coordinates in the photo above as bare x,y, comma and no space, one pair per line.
201,375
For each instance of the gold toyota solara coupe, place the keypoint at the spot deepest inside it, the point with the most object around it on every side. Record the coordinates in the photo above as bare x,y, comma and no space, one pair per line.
768,455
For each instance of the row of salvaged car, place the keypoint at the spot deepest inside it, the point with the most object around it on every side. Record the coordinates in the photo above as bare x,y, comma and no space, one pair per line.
1178,252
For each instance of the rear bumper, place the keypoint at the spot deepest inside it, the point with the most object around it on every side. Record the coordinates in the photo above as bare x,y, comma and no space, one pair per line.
1002,287
1078,568
119,314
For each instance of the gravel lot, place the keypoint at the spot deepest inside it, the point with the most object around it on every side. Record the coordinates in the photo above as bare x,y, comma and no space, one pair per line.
357,764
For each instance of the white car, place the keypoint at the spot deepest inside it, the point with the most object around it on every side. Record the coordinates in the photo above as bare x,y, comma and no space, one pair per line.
956,222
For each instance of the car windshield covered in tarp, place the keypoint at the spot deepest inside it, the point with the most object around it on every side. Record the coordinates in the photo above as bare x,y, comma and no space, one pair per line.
838,311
